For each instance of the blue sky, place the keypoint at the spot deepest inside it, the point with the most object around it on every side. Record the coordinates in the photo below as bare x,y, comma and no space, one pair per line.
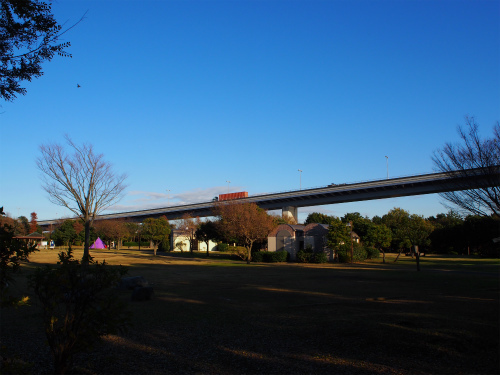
186,95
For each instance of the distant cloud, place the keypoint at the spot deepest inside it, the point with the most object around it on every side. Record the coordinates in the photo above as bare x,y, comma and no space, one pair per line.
147,196
142,200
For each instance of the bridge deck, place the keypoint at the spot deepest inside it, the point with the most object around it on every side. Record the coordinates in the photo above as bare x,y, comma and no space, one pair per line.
388,188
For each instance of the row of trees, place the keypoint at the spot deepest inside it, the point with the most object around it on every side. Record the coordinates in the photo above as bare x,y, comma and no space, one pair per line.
244,224
71,232
22,226
398,231
248,226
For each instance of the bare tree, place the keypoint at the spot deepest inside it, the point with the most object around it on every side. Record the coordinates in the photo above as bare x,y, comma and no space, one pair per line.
465,159
83,182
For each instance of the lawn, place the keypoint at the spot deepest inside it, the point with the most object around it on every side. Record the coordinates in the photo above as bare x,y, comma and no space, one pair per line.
220,315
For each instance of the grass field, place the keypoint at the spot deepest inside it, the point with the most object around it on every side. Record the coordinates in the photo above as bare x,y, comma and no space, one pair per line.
222,316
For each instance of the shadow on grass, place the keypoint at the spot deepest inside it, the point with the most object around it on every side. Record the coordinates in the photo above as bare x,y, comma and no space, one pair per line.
278,319
290,318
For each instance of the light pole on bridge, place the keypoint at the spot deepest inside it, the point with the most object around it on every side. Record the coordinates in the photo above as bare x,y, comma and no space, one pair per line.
168,197
300,179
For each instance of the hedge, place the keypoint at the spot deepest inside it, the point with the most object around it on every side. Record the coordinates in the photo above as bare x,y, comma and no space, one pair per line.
270,256
359,253
319,257
304,256
222,246
308,256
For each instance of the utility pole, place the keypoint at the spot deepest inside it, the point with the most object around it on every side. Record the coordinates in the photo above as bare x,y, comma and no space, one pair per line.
387,165
300,170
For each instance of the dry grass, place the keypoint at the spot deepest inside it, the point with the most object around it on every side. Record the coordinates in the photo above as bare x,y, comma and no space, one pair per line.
222,316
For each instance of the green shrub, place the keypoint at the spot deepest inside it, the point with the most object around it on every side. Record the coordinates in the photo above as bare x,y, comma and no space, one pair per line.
79,304
372,253
303,256
270,256
222,246
307,255
359,252
343,255
319,257
164,246
258,256
238,249
491,250
277,256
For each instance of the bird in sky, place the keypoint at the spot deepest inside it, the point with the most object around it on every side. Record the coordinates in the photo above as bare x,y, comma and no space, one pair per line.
78,86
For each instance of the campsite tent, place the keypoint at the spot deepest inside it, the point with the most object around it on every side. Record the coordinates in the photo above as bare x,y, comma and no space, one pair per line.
98,244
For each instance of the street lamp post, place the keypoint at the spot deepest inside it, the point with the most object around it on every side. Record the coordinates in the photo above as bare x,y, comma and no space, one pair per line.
387,165
300,178
228,182
168,197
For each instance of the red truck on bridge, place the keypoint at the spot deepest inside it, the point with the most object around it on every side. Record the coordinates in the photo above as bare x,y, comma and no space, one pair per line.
230,196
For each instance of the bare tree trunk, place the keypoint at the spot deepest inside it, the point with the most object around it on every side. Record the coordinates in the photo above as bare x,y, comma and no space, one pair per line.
86,246
383,255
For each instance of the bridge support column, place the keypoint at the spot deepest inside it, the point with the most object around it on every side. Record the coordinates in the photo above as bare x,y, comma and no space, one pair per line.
290,212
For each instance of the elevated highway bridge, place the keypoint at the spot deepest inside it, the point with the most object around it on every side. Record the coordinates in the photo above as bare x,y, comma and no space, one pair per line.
289,201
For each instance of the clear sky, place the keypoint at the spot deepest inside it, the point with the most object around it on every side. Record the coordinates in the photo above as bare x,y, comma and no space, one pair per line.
186,95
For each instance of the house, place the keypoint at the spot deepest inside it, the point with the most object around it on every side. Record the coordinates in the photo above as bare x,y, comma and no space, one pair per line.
286,237
315,237
180,242
293,238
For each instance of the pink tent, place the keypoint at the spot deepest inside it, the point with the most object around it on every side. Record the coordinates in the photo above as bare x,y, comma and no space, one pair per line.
98,244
